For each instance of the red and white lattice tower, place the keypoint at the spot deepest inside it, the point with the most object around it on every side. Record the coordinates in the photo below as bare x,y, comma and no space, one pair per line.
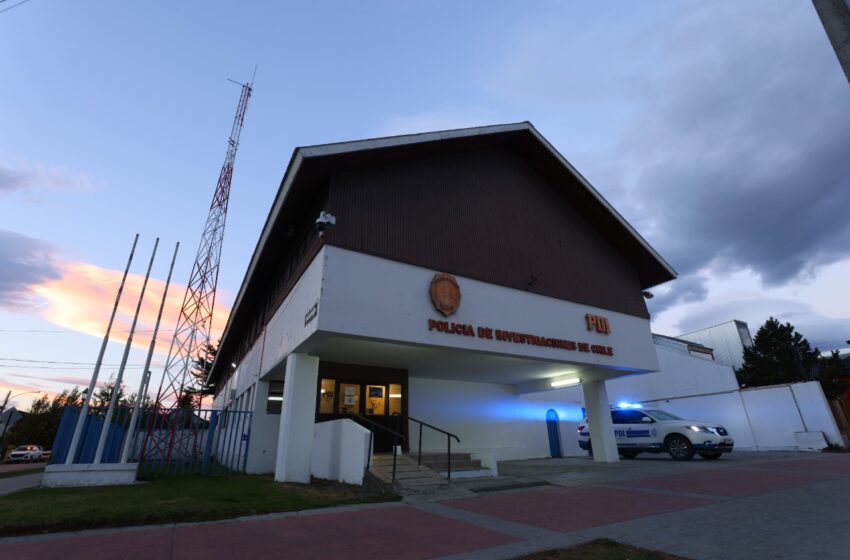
195,322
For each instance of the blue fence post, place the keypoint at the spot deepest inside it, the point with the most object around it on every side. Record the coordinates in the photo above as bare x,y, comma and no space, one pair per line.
210,435
250,418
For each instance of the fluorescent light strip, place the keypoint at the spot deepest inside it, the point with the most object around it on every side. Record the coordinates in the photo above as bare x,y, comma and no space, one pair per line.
566,382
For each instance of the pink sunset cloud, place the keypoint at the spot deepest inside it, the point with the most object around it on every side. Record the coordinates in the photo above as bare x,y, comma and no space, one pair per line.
81,299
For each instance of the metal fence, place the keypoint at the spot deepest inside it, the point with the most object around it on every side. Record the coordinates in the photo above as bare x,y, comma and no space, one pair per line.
163,442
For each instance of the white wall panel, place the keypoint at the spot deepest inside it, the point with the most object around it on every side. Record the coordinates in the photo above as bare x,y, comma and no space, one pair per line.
373,297
286,329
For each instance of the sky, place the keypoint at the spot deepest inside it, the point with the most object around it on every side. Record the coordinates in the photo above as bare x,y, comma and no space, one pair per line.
718,129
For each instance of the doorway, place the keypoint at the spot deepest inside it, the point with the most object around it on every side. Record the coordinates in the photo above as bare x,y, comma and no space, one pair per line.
376,394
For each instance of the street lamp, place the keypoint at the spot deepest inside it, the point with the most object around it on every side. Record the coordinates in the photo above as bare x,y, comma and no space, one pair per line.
6,424
9,396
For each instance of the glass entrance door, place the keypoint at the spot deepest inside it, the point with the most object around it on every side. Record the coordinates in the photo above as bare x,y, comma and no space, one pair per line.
382,403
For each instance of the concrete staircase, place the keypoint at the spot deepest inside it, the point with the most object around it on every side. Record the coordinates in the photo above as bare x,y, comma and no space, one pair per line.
462,463
410,478
429,478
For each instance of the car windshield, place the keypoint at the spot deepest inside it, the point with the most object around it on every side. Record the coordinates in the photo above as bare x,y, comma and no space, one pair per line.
661,415
23,448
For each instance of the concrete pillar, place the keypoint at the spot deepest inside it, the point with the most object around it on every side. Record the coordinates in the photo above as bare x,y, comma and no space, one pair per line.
599,419
297,419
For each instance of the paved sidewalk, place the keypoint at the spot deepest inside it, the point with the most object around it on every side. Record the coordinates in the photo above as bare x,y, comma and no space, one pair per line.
745,506
15,483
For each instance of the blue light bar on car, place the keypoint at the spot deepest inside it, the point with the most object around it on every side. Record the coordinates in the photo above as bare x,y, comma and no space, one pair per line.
624,404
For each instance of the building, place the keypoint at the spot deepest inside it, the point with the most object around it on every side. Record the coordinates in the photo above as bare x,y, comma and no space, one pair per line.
455,278
727,340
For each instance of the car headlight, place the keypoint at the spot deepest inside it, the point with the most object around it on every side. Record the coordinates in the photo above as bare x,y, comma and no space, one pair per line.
700,429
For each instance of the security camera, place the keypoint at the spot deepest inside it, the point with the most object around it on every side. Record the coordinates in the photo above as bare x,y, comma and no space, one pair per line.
325,220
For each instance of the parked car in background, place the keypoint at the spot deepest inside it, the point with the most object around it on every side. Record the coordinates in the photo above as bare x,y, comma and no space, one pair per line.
45,455
656,431
26,454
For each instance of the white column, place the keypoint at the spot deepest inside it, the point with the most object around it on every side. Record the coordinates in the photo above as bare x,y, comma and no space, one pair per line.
599,418
297,419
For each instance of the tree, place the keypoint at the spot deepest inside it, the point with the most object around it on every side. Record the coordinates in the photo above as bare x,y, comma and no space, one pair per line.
100,400
779,354
201,367
830,376
39,424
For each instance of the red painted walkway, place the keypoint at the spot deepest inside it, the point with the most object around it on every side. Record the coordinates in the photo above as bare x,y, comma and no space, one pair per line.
479,523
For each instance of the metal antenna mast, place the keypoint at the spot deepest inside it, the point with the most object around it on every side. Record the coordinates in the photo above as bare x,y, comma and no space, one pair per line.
195,322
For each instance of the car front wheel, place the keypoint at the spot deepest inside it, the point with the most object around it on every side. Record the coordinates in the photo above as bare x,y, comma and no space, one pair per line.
680,448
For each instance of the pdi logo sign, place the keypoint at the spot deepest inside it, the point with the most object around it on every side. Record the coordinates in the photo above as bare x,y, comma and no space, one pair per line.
597,323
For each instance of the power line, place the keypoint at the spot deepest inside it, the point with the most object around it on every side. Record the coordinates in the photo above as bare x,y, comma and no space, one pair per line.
67,331
55,362
63,368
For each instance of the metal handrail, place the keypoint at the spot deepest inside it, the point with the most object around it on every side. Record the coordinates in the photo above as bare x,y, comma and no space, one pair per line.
395,435
449,437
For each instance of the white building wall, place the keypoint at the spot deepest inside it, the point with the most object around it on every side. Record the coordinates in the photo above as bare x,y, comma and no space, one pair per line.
289,326
492,421
758,419
815,410
377,298
727,340
262,452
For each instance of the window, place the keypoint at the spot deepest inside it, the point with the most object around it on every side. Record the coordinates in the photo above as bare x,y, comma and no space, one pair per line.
395,399
620,416
274,403
661,415
376,402
349,398
327,391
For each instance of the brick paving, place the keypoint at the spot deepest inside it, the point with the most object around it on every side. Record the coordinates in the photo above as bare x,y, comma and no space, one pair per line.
746,506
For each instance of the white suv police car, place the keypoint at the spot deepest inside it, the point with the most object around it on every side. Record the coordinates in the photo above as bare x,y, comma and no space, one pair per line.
656,431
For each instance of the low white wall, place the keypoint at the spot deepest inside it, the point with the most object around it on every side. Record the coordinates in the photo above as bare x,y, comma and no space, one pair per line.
103,474
340,451
816,411
758,419
262,452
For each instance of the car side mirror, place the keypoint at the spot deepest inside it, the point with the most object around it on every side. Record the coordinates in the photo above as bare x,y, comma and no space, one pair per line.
647,420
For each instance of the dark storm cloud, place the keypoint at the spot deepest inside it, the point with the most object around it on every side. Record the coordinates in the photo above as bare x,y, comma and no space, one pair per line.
687,289
24,261
720,130
744,150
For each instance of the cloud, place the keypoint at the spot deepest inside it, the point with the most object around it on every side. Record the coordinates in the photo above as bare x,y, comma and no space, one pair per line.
21,178
24,262
726,128
79,296
82,295
687,289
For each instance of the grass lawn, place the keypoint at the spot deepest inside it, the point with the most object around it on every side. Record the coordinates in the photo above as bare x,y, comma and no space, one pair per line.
20,472
601,549
180,499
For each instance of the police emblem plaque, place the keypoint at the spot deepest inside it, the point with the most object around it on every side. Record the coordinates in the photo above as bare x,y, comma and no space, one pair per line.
445,293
